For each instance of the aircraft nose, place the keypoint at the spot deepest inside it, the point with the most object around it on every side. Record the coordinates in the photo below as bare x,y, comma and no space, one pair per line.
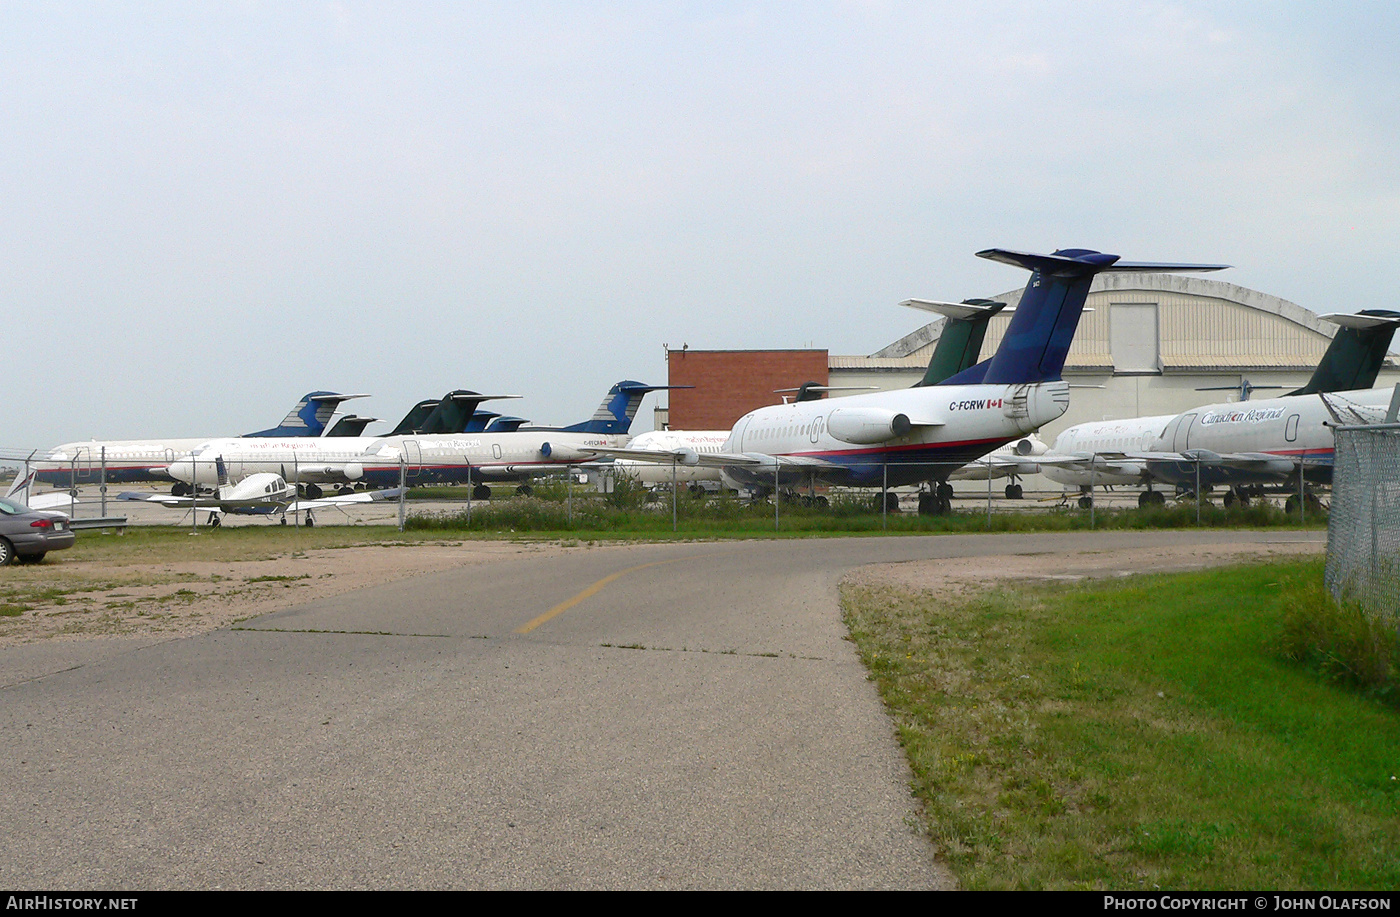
183,470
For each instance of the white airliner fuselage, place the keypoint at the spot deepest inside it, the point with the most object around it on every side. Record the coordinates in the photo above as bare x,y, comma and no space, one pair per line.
454,458
698,441
896,438
1259,441
1101,449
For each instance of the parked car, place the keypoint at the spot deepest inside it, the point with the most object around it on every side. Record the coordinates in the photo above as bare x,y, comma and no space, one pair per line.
29,534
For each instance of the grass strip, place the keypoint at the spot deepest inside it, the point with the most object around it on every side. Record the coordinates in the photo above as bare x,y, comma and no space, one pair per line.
1134,735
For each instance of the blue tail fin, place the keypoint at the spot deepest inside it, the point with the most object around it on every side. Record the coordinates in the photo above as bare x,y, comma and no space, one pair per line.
480,421
1038,338
615,414
310,416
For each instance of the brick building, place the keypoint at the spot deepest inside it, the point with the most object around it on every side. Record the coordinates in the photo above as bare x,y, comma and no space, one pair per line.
730,383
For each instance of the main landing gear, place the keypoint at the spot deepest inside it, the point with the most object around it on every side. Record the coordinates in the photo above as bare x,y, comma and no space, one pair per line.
1151,498
936,502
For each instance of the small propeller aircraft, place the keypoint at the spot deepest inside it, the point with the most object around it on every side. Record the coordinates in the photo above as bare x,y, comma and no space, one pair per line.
263,494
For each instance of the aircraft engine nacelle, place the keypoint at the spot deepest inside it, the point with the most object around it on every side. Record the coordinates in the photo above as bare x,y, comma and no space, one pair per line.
1030,447
564,453
354,471
863,426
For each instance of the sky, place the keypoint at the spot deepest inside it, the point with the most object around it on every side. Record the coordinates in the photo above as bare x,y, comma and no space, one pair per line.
211,209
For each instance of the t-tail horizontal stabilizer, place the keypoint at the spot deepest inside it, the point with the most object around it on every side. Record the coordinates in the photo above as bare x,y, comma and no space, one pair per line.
454,412
1038,338
310,416
1354,358
960,342
615,414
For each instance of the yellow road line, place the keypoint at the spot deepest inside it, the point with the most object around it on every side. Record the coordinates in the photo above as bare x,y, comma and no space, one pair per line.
590,591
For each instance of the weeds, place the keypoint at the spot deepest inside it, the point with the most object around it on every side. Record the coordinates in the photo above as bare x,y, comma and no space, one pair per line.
1339,640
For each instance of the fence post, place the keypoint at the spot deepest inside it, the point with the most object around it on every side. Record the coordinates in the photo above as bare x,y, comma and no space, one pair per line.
988,460
1198,488
884,492
1302,489
403,488
194,494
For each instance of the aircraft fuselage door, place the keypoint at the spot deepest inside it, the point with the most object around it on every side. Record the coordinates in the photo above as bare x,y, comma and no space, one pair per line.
1181,438
413,458
738,435
1290,431
80,466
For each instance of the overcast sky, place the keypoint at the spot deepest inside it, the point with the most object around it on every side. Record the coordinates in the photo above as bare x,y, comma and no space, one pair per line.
211,209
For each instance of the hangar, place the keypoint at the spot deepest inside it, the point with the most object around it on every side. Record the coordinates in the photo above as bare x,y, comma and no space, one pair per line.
1148,344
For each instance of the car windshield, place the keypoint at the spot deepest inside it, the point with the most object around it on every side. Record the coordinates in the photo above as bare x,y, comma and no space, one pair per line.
11,508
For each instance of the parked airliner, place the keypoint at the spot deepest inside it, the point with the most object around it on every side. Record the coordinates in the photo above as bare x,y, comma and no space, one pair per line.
958,348
131,461
1132,451
923,434
476,458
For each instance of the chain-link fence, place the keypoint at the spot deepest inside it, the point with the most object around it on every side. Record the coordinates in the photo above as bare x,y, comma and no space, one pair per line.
1363,532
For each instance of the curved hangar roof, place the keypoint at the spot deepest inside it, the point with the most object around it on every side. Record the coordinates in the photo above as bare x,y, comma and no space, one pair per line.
1154,323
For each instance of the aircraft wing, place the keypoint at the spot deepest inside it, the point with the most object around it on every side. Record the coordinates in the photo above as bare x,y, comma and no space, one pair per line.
363,496
691,458
59,500
1257,462
996,466
1122,463
1262,462
165,499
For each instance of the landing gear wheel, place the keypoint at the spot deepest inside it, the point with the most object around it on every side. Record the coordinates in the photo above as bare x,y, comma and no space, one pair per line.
821,501
481,492
891,502
524,490
1291,504
214,521
928,503
945,492
1014,492
1086,502
310,520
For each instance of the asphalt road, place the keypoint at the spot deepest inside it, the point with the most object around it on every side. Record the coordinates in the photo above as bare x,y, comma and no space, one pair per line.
657,716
